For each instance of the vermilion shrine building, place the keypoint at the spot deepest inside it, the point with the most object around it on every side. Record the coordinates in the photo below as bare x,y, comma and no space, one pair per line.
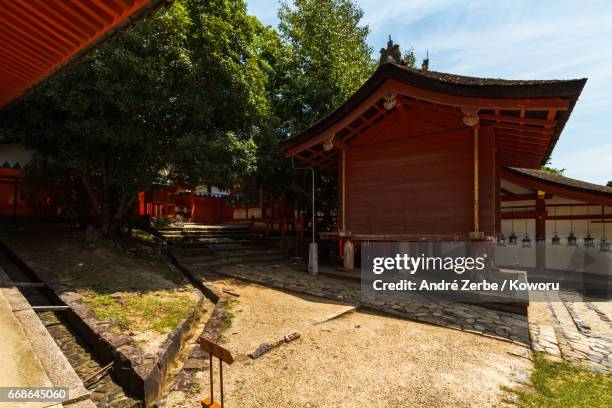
430,156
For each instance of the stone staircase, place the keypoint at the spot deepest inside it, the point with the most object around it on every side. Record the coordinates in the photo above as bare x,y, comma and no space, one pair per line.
206,245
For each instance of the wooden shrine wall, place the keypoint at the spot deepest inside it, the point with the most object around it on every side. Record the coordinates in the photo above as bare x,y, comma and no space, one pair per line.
418,180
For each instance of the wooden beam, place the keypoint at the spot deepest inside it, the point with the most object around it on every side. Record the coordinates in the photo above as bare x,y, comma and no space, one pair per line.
520,143
519,215
523,129
509,135
519,120
344,122
580,217
339,144
550,118
476,102
523,197
417,104
378,127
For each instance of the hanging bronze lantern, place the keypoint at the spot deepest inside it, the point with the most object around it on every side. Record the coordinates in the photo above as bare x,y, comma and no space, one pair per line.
556,239
604,245
512,239
526,240
589,241
571,238
501,240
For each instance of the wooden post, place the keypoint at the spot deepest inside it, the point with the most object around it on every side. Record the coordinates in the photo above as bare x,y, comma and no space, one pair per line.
349,254
343,189
540,232
476,183
476,234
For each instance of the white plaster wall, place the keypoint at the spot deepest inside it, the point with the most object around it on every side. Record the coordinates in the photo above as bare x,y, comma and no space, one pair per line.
562,257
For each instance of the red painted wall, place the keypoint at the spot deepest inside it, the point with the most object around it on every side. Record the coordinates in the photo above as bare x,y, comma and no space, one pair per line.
416,178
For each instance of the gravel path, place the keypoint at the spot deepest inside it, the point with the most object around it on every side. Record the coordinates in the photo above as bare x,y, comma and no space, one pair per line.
359,359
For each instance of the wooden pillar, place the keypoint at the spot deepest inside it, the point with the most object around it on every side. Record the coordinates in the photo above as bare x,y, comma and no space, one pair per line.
498,226
343,189
540,224
476,183
540,232
349,254
476,234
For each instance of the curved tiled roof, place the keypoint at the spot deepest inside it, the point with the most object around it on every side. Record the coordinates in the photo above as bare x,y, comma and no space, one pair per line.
564,181
457,85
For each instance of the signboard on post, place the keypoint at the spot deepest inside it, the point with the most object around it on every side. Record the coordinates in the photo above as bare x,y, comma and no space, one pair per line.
224,356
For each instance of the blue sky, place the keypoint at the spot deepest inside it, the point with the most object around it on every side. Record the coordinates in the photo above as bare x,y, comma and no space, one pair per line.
514,40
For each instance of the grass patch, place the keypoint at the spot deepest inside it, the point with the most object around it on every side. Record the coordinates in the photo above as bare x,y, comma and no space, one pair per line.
144,237
564,385
107,308
158,311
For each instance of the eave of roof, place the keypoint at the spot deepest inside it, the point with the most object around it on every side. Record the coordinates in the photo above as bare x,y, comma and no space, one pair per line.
53,28
456,85
563,181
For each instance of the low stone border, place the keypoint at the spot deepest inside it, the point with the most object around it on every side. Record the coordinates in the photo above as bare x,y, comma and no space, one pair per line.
141,375
206,288
544,339
198,361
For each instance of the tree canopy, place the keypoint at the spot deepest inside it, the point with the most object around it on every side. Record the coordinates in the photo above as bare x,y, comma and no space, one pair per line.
200,93
183,95
324,58
328,58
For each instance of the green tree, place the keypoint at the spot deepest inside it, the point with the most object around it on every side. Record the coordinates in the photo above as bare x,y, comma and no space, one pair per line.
322,59
328,58
552,170
183,96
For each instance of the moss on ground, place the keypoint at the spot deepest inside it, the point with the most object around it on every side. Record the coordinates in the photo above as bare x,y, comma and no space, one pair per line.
158,311
564,385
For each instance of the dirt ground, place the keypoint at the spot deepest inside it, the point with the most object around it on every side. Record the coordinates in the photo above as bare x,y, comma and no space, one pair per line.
359,359
142,293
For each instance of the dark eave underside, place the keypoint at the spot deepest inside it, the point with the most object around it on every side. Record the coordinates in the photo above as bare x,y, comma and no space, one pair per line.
43,38
461,86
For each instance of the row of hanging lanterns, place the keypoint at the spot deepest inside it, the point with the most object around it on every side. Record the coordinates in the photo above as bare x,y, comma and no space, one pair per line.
572,240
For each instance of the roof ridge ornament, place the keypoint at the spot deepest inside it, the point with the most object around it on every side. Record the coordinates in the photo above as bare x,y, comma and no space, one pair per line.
425,65
391,54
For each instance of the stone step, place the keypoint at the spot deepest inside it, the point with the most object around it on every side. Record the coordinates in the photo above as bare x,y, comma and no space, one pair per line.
202,238
208,261
212,242
215,253
205,228
245,252
205,233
